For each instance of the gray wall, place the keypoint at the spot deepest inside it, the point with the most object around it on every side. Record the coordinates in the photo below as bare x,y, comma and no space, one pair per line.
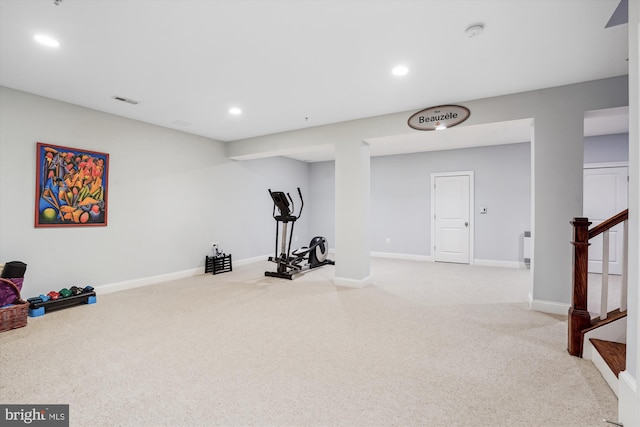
606,148
401,199
557,150
170,196
166,210
401,195
322,216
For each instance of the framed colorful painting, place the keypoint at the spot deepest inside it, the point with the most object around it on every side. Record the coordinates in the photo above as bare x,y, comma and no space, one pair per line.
71,187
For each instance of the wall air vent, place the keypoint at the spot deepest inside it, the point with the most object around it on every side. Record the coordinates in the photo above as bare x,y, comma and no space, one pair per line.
123,99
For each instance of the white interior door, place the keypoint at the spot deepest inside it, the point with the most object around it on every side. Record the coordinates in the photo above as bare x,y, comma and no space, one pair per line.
605,194
451,202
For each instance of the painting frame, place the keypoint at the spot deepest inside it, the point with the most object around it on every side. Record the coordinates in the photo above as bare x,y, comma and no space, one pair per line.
71,187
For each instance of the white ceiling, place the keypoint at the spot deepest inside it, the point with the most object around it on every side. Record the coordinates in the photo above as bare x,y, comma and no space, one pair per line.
296,64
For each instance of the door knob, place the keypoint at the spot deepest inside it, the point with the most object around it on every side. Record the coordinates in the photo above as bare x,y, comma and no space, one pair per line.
466,224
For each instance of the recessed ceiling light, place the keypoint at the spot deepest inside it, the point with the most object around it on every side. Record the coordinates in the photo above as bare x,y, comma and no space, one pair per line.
400,70
46,40
235,111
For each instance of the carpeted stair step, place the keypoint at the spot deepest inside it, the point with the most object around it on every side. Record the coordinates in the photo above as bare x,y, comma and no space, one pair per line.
613,353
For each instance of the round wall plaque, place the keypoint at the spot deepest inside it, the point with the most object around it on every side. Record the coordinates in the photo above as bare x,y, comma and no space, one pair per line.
440,117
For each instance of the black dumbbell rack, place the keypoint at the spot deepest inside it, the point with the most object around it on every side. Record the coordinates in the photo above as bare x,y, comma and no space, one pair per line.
218,264
40,308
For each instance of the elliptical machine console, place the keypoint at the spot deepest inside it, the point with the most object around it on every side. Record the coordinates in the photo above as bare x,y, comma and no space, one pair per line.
293,263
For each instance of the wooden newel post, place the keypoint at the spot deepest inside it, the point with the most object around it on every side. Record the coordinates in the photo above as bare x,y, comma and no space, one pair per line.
579,317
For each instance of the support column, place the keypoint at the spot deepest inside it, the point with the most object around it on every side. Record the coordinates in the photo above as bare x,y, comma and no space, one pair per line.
558,162
353,213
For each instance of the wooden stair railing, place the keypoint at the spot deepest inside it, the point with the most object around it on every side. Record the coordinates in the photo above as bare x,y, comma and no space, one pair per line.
579,317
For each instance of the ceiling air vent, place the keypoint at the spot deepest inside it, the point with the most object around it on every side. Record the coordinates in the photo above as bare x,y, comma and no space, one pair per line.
123,99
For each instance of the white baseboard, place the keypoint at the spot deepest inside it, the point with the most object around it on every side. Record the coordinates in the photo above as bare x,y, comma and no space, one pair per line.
628,400
144,281
605,370
151,280
429,258
588,350
351,283
550,307
408,257
498,263
251,260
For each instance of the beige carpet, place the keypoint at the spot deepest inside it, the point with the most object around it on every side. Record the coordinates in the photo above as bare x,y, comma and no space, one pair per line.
426,344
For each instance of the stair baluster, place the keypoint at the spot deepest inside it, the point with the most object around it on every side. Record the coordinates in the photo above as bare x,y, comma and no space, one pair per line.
625,263
604,287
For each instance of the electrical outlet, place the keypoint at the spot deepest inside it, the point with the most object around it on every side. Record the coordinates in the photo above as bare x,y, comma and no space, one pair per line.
388,240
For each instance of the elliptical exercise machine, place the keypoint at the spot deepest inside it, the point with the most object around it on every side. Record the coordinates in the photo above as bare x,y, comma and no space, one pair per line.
293,263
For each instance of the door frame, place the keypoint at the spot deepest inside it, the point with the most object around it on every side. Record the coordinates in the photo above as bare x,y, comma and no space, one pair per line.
606,165
471,210
619,249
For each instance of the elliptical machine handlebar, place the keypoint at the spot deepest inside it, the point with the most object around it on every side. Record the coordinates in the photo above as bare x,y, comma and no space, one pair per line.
301,202
286,207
